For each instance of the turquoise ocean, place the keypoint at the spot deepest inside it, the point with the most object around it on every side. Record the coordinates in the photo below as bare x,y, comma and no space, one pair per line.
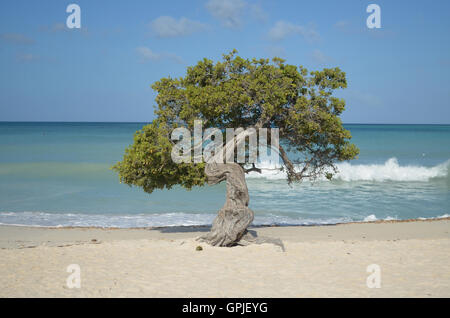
58,174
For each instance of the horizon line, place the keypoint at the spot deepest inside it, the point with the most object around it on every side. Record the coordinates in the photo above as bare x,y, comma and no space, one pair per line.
148,122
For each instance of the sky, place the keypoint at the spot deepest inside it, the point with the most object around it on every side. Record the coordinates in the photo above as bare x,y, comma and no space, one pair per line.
103,71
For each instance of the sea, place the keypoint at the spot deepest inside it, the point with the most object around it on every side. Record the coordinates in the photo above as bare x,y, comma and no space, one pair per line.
58,174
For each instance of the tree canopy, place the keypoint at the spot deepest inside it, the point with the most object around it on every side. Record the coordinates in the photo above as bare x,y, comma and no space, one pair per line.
247,93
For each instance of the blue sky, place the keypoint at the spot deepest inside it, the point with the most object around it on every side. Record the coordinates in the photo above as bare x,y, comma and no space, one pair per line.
103,71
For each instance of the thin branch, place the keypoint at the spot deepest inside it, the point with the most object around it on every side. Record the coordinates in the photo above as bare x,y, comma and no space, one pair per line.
253,168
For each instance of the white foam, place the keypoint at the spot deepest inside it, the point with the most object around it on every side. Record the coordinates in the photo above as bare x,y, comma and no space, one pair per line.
44,219
370,218
373,218
389,171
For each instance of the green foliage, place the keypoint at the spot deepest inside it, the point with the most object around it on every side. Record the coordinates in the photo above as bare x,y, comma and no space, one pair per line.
239,92
147,162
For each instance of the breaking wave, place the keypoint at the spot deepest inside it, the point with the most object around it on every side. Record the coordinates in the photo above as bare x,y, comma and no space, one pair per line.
389,171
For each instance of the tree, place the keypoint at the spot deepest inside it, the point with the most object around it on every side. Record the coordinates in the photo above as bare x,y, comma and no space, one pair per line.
237,92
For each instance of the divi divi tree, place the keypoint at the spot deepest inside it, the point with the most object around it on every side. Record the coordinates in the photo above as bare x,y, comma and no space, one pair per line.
246,93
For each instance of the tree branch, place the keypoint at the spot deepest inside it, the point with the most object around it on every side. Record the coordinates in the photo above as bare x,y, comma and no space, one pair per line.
253,168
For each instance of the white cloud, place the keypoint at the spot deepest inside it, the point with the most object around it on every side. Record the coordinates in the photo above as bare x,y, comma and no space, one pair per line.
283,29
57,27
166,26
61,28
258,13
16,38
342,24
27,57
229,12
276,51
320,58
145,54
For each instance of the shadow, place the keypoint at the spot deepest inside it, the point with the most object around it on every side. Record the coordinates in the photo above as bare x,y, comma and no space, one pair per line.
251,236
182,229
207,228
191,229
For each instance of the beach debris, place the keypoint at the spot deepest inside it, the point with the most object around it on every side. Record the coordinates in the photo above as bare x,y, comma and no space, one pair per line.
199,248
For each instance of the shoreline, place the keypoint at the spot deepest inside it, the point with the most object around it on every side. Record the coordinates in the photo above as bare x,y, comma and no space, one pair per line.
12,236
206,226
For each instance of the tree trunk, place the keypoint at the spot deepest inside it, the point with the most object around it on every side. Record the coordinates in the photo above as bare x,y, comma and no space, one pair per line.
232,220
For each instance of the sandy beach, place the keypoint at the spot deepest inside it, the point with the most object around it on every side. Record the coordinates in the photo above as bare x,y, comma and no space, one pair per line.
318,261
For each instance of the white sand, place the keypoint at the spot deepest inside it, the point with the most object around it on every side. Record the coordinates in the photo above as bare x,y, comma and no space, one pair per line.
325,261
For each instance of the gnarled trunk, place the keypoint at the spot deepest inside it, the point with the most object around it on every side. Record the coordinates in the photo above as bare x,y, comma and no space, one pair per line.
232,220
